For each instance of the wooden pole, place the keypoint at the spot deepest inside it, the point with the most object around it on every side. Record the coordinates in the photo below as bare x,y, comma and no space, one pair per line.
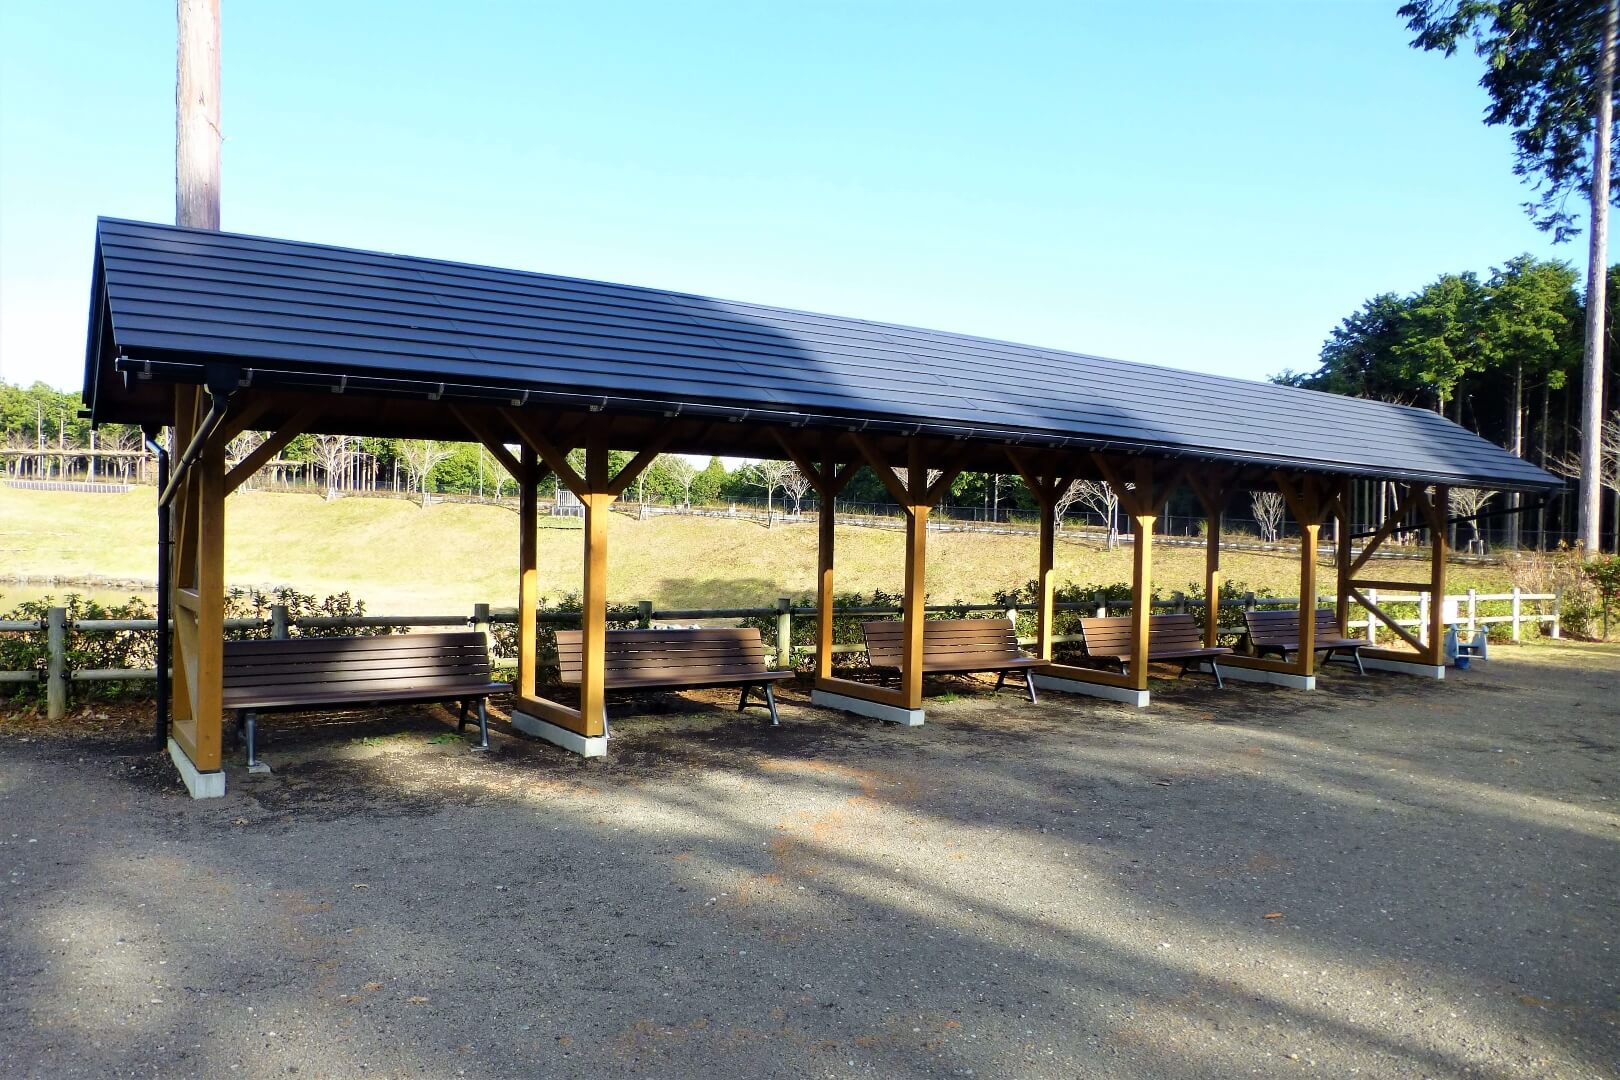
597,502
1045,580
1212,574
528,570
1438,553
1143,519
1310,532
209,709
826,536
911,670
196,116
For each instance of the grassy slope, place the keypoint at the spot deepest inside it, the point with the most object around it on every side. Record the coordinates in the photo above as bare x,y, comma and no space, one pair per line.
402,559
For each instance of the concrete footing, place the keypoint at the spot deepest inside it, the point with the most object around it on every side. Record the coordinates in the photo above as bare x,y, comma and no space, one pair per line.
1138,698
202,785
894,714
1422,671
1275,678
583,745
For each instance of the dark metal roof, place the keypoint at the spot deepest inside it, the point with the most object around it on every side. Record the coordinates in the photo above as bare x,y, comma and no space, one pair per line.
284,309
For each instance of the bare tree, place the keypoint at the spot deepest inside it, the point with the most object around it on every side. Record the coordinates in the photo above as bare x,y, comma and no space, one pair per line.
795,485
1099,498
331,451
1466,503
420,457
243,445
1608,459
1268,513
681,473
768,474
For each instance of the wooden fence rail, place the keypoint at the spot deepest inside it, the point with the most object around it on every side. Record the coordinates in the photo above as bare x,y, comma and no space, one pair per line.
58,676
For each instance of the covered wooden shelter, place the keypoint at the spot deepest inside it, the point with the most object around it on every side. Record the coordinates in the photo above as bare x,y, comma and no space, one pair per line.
210,334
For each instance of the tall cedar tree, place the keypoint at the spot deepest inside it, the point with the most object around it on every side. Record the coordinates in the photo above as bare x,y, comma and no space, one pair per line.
1549,71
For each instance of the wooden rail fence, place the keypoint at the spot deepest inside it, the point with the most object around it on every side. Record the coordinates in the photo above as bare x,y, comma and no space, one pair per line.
1463,611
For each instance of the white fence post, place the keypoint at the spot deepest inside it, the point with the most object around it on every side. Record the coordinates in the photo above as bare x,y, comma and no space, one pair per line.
1558,613
1372,620
1423,617
1517,609
1473,612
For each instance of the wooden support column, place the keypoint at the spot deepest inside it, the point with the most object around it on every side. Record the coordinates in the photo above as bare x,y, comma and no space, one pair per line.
911,667
1305,498
1436,511
197,601
828,480
1213,492
582,729
1143,492
1344,507
1047,485
528,480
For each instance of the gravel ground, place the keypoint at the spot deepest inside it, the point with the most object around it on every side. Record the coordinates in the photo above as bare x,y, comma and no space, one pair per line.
1387,878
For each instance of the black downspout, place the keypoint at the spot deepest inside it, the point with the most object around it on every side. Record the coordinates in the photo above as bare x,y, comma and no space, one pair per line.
160,730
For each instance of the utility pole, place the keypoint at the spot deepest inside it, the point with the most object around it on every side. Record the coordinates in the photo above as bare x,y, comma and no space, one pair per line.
196,116
1596,281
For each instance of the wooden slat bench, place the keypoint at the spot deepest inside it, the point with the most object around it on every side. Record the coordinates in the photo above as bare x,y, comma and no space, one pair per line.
953,647
301,673
1278,632
1170,638
652,660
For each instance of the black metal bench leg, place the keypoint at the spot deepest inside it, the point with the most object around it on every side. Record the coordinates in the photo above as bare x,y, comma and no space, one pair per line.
461,722
770,699
1029,684
742,702
483,725
1215,670
1001,679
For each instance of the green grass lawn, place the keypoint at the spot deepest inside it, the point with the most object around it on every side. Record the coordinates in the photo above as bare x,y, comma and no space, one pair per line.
402,559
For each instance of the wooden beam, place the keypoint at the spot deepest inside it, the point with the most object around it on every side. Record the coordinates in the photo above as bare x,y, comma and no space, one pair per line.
273,444
1212,569
1380,583
490,439
911,665
1141,598
1046,580
556,459
1400,631
801,459
208,687
826,536
885,472
942,484
638,464
252,411
1309,536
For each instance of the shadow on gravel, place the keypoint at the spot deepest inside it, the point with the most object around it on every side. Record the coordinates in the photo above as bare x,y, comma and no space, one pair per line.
1233,881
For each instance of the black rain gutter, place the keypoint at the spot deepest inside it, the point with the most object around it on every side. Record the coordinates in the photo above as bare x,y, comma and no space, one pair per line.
193,371
160,729
222,382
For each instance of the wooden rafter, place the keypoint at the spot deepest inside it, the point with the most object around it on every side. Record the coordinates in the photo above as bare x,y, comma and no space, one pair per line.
885,473
490,439
252,412
273,444
1400,631
555,459
638,464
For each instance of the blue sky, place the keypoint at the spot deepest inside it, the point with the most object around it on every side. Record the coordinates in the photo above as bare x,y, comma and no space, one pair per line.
1200,185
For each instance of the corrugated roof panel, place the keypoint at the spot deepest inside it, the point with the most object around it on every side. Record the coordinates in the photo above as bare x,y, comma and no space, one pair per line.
343,311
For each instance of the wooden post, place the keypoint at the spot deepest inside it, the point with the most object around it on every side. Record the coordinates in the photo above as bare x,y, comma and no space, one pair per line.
826,537
597,503
528,570
1343,527
480,625
1212,576
197,117
1438,554
209,691
911,669
1309,535
1142,519
279,630
784,632
1046,580
644,613
56,677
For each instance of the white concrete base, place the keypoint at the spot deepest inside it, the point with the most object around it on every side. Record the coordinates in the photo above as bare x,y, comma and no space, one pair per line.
202,785
894,714
259,768
1275,678
1138,698
1422,671
583,745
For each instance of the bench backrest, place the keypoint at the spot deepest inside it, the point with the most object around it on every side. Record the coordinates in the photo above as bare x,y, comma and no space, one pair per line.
1282,627
345,665
1111,636
668,654
945,641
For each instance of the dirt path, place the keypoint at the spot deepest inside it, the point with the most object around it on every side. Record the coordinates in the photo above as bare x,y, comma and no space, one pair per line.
1386,878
